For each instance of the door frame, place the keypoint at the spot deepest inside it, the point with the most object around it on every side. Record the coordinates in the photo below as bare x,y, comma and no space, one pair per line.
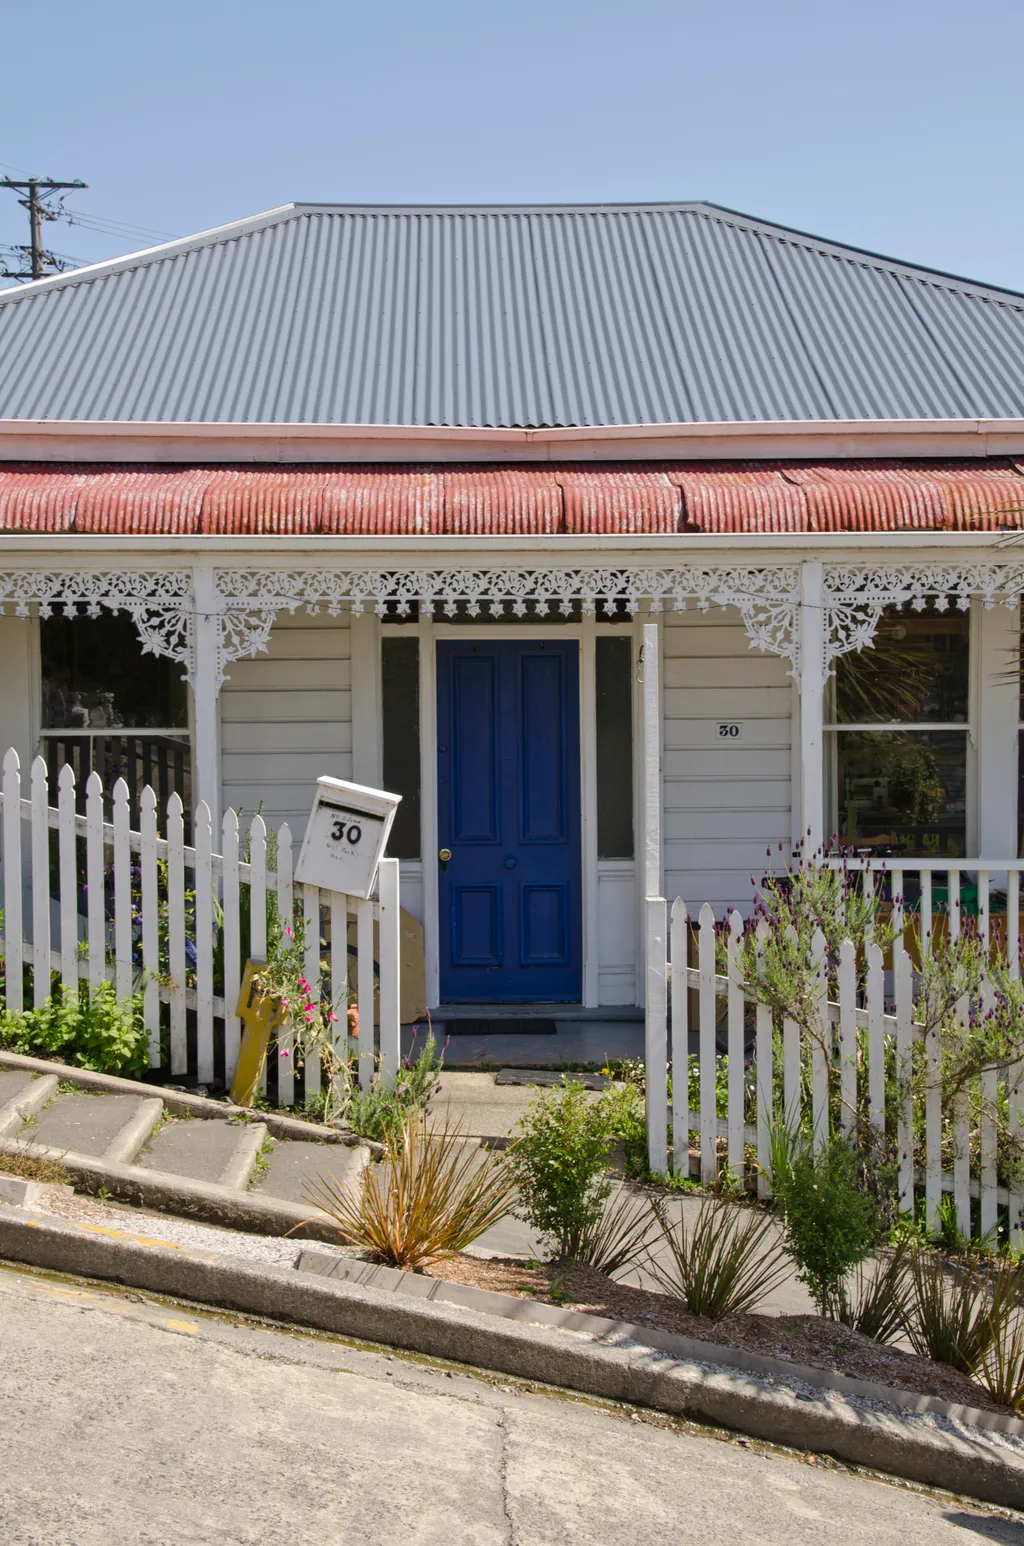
428,630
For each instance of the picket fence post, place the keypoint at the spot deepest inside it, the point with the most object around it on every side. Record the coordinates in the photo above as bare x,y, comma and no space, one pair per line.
176,932
764,1070
656,1032
40,851
148,879
231,905
708,1050
96,926
680,1038
390,938
13,923
734,1033
67,881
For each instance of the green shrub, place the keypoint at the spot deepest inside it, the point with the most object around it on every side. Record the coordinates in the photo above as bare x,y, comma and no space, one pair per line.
559,1161
88,1029
831,1225
381,1112
628,1120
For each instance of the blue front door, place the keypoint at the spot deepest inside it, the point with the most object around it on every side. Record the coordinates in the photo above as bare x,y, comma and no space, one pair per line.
508,758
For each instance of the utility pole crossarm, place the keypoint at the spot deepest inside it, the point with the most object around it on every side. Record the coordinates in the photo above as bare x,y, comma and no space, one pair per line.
37,190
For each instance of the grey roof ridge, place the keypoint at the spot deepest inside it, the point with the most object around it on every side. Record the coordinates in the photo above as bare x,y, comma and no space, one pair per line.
705,208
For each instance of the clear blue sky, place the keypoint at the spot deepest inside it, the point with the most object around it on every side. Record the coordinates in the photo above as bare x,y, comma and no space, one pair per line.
894,125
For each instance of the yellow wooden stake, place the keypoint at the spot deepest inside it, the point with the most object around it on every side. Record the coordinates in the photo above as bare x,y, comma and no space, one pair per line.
261,1017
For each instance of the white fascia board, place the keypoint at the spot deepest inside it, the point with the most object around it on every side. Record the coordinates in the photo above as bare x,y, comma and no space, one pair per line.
63,440
394,552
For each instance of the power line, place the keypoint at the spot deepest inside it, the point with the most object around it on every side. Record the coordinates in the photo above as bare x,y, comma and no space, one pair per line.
37,190
108,227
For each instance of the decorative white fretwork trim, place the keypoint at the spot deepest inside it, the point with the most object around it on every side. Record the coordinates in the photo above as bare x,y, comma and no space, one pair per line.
159,602
766,597
856,596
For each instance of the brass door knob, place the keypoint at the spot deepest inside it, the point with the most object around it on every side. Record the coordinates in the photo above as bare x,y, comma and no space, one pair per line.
444,854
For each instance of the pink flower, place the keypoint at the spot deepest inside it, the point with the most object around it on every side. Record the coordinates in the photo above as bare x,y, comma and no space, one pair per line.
284,1003
332,1017
288,931
284,1054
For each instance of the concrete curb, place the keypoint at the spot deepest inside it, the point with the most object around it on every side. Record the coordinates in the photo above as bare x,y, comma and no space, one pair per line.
206,1200
351,1269
181,1100
975,1466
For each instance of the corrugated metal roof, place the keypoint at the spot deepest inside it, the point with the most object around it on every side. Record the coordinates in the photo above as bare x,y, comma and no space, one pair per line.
508,317
396,501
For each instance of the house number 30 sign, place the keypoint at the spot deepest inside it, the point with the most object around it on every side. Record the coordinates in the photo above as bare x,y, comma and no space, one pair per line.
729,730
345,838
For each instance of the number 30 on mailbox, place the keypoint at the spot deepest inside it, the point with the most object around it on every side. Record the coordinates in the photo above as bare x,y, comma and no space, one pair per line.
345,838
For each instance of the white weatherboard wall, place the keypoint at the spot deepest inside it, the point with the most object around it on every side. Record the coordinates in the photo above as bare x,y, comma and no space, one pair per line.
286,717
725,801
19,686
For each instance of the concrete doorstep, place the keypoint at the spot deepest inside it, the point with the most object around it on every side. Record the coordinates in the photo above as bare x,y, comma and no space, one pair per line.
984,1463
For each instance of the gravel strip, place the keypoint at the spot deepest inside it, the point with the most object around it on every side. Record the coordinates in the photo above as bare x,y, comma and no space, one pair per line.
933,1422
272,1250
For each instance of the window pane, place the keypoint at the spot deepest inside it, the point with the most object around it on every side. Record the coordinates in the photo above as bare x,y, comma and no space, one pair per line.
95,677
902,792
915,671
400,712
614,673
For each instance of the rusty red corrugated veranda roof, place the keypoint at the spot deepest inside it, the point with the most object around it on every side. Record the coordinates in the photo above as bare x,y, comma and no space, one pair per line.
745,498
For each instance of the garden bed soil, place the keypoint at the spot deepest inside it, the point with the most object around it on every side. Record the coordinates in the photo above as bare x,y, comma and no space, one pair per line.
800,1339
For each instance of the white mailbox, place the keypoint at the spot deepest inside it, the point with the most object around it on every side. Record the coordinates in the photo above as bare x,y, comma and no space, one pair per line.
348,828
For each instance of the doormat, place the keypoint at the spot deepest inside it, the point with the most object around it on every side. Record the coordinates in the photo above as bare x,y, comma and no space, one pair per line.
551,1078
523,1027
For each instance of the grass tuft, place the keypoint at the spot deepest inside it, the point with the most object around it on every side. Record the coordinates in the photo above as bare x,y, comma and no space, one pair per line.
27,1168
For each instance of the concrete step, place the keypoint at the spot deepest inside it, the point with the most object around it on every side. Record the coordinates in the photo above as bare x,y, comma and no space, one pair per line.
91,1124
290,1165
12,1083
221,1152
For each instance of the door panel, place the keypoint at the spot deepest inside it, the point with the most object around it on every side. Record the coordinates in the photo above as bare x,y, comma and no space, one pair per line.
474,712
509,812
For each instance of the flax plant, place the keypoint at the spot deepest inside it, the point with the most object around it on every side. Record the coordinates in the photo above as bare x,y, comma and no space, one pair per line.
951,1317
725,1263
620,1235
432,1196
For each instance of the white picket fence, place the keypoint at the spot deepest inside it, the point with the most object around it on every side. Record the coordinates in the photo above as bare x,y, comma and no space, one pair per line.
670,981
147,875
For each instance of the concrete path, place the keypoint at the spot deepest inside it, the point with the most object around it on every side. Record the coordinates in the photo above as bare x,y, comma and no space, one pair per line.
170,1141
127,1423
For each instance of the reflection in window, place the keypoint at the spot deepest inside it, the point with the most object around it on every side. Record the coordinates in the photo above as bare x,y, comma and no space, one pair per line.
96,677
400,715
614,682
902,792
915,671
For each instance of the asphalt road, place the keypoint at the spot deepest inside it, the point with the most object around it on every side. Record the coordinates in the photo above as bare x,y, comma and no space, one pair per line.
125,1421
